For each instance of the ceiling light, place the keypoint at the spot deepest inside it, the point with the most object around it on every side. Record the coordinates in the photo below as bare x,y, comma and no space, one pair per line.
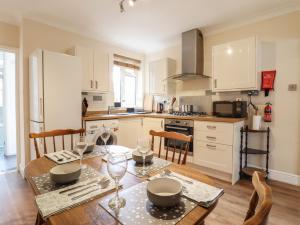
229,51
130,3
121,4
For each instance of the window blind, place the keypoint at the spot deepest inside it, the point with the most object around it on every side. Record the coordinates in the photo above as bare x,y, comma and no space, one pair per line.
127,62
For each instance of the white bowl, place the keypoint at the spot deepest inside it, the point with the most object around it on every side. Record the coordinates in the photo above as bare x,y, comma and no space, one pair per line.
66,173
164,192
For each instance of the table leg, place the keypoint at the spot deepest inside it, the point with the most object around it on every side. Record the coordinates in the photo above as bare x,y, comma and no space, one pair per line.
39,220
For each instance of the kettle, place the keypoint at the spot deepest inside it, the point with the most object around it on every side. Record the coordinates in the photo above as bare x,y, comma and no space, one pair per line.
160,107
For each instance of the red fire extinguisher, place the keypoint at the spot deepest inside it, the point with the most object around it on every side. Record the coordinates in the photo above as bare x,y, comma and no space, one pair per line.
268,112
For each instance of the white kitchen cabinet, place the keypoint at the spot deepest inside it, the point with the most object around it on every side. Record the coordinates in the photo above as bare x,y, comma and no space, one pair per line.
216,146
101,70
159,71
95,68
234,66
156,124
86,57
128,132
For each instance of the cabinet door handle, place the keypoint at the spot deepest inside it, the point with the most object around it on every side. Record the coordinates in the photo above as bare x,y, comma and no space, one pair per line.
211,146
210,137
161,124
211,127
92,84
96,84
215,82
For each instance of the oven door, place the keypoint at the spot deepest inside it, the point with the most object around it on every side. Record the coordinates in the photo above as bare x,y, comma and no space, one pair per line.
182,130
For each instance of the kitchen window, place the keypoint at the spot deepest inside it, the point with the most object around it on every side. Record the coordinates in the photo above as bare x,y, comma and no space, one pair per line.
127,85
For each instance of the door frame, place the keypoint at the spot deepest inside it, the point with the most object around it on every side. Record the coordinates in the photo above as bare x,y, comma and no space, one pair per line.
18,105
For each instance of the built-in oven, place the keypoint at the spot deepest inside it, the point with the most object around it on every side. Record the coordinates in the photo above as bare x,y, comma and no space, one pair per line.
180,126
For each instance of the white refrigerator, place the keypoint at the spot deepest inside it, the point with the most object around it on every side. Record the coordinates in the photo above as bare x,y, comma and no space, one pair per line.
55,95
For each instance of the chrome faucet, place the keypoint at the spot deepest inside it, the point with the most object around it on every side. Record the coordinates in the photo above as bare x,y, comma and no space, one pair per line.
109,108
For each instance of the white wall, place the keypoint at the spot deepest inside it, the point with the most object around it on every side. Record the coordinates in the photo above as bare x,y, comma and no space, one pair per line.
35,35
284,34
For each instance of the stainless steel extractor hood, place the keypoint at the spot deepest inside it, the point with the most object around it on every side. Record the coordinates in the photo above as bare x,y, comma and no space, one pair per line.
192,56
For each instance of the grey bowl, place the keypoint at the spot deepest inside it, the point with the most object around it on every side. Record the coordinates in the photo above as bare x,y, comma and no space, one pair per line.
67,173
90,148
137,156
164,192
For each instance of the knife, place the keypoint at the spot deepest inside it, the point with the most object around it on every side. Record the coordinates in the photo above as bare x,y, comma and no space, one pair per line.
79,186
86,193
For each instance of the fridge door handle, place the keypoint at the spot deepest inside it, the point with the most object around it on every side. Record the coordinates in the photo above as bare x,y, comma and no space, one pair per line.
41,108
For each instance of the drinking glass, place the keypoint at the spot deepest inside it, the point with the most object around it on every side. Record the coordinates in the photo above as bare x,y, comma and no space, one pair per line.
81,145
143,147
116,167
105,135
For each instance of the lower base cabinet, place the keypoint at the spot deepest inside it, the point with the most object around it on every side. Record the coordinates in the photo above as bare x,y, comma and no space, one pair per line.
131,129
128,132
155,124
217,146
215,156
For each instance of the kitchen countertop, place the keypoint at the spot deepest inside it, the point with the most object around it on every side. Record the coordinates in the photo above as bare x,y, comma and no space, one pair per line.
94,117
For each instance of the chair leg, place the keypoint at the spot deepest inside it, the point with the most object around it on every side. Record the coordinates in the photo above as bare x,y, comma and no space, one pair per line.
39,220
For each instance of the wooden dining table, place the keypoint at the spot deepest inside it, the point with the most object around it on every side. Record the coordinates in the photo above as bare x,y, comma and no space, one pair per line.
91,213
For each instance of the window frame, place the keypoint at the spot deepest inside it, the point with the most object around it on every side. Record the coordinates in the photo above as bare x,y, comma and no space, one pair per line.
123,74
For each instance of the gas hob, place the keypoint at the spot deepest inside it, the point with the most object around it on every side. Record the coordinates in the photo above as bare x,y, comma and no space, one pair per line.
178,113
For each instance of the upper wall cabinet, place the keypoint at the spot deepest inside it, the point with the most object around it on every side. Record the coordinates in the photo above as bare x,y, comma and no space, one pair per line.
234,66
159,71
95,68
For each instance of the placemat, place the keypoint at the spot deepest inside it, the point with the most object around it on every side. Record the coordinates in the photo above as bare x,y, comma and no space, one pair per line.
57,201
204,194
118,149
140,211
96,152
65,156
44,184
157,164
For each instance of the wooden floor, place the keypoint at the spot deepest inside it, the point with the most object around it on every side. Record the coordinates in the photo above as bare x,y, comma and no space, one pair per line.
17,203
7,163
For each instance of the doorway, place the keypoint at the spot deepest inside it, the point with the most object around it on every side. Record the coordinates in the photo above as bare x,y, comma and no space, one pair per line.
8,116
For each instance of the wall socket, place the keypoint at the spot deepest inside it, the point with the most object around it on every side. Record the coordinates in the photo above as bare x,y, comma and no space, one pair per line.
292,87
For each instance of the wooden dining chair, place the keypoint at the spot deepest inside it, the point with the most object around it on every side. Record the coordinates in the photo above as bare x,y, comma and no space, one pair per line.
260,202
52,134
172,137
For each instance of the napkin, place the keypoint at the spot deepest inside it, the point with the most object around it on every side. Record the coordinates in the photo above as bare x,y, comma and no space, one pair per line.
54,202
63,154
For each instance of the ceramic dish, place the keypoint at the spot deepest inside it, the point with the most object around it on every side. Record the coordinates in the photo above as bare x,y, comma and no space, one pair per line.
164,192
90,148
137,156
63,174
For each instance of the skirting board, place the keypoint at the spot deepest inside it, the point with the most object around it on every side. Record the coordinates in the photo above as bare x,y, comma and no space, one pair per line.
284,177
22,170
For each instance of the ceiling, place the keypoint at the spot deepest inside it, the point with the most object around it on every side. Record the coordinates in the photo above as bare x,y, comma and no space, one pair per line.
149,26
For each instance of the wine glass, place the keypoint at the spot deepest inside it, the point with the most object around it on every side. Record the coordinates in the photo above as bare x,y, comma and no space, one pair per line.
105,135
143,147
116,167
81,145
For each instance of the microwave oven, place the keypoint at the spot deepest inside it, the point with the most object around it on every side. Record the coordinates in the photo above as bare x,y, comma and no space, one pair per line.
233,109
